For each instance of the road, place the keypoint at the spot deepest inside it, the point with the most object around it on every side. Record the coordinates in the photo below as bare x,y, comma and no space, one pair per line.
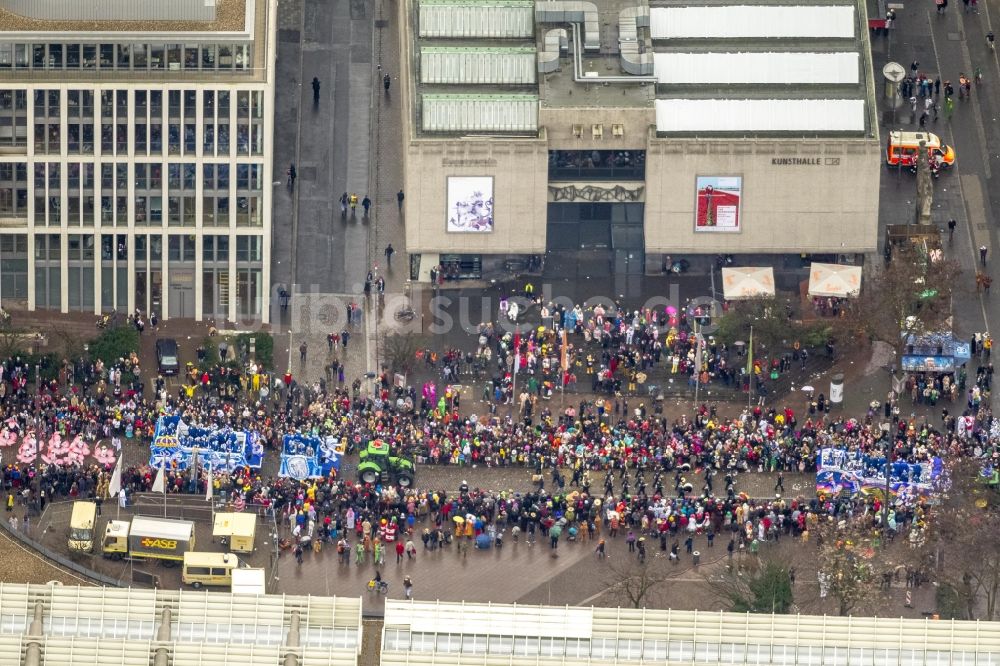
945,45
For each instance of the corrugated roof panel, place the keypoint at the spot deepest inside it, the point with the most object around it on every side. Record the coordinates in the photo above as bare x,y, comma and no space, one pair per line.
480,66
760,115
501,20
745,21
479,113
764,68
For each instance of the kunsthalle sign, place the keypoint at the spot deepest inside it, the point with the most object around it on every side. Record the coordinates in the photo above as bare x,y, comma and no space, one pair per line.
717,203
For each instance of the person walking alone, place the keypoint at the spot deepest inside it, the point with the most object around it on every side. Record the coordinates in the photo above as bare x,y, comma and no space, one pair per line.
315,85
399,200
982,254
388,254
366,203
291,176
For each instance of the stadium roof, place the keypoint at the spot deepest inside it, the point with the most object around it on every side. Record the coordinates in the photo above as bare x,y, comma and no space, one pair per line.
94,625
456,634
752,21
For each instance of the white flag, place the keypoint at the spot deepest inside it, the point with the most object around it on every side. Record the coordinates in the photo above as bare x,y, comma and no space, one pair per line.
160,482
517,361
208,485
115,484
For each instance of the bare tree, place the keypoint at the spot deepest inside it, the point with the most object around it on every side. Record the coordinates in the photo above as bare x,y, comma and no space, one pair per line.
965,536
846,567
633,583
400,351
911,294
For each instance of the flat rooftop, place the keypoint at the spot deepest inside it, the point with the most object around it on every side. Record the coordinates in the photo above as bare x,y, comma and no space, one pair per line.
230,16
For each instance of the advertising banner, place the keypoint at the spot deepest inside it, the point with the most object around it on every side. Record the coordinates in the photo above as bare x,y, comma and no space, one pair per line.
470,204
305,456
217,448
717,205
853,473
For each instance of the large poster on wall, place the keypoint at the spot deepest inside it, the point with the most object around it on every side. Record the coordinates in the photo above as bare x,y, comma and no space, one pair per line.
717,207
470,204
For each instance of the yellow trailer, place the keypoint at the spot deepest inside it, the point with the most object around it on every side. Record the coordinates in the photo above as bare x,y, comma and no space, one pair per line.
236,529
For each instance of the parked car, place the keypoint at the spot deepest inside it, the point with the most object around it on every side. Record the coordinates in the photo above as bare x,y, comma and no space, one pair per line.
167,360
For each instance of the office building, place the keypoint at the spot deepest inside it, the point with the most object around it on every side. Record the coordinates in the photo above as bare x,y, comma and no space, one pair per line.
135,156
614,133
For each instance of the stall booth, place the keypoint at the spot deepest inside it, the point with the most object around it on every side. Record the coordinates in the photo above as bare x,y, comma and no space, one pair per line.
238,529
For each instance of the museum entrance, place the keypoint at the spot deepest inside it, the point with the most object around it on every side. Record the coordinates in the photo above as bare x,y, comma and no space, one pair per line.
595,240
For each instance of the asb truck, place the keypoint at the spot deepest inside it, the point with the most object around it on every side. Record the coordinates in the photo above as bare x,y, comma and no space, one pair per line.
153,538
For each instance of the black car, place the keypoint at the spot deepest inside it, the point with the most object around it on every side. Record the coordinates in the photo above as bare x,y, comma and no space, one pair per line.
167,360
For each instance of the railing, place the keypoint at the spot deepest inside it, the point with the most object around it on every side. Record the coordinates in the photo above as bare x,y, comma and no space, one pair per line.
597,173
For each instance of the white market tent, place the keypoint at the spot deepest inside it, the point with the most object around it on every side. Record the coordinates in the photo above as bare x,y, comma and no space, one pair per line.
752,22
757,68
739,284
760,115
834,280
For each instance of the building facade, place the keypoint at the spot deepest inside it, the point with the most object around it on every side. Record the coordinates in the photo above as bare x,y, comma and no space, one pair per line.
135,157
701,130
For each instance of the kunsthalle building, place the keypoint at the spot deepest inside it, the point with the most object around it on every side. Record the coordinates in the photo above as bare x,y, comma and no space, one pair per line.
617,130
135,155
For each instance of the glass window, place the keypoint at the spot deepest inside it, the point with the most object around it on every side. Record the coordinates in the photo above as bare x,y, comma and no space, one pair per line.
783,655
603,648
578,648
222,248
758,654
709,652
397,639
501,644
552,647
474,644
810,655
860,657
680,650
629,648
449,643
525,646
911,658
731,653
938,658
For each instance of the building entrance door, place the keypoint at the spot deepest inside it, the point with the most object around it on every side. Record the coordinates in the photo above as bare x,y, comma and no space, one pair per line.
181,293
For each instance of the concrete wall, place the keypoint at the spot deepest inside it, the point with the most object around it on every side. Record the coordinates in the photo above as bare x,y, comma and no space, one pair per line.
798,195
519,169
558,124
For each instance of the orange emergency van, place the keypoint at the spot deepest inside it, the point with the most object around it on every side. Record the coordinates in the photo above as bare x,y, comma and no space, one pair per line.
901,149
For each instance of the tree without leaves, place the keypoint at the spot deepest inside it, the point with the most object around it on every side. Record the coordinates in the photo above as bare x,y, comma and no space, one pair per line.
400,351
846,569
635,584
911,294
966,536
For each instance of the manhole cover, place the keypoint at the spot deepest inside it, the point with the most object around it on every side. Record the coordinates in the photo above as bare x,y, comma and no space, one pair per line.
955,36
381,23
307,173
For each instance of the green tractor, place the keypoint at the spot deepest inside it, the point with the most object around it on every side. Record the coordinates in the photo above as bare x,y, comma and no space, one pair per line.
378,466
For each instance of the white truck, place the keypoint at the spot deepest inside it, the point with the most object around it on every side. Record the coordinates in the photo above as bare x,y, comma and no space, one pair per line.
148,538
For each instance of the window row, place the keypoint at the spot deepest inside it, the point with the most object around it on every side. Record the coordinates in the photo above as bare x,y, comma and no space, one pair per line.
114,248
162,57
680,651
181,134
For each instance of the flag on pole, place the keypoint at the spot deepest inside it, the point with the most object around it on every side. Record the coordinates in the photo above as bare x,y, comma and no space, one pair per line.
160,483
517,361
699,342
115,484
208,485
750,354
564,352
